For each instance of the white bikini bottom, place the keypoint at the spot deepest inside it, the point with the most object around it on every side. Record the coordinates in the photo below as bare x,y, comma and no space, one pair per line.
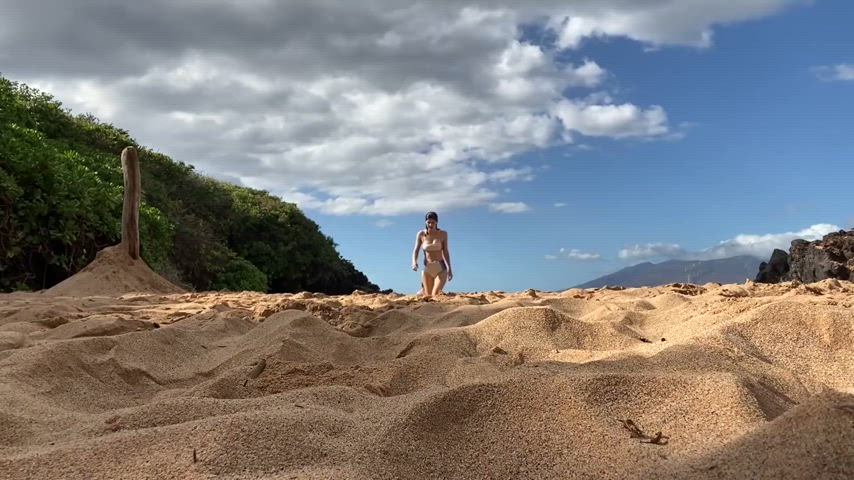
435,268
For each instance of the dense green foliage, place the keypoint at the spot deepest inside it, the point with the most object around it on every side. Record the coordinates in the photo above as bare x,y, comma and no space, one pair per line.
61,202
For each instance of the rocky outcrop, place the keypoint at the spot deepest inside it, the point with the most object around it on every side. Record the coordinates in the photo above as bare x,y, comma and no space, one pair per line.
830,257
776,269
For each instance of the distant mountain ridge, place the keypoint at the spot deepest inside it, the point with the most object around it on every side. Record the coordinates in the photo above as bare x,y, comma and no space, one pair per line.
724,270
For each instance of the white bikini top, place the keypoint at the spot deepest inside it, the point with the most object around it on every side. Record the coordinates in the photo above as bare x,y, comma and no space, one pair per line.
433,246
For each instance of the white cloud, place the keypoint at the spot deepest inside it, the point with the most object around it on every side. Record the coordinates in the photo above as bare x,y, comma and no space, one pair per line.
560,204
575,254
405,104
589,75
655,23
572,30
651,250
509,207
763,245
760,245
579,255
383,223
838,72
511,175
617,121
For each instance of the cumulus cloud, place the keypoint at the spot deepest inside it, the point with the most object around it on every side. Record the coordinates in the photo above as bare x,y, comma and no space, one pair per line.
509,207
655,23
757,245
617,121
763,245
404,104
833,73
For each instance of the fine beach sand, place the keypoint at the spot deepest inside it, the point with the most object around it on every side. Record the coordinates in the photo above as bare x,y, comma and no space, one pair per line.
741,381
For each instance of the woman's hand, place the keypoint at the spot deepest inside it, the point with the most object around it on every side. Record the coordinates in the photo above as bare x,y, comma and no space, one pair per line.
450,275
414,266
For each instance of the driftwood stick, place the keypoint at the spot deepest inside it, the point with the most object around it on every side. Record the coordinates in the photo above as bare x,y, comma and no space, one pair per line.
130,210
636,432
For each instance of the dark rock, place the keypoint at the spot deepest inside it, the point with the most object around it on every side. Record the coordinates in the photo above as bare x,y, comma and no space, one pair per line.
776,269
831,257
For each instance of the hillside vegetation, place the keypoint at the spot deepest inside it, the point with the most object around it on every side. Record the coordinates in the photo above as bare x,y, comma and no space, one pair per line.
61,202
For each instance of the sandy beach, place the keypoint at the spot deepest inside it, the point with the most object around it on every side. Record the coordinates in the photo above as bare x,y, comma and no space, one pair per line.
633,221
680,381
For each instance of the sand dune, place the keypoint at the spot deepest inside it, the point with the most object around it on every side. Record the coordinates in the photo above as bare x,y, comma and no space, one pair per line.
741,381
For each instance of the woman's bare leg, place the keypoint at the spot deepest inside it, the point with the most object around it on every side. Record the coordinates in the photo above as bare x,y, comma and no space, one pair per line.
427,282
441,280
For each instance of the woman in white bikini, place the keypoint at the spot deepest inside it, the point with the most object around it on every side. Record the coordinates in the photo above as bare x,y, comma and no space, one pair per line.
437,259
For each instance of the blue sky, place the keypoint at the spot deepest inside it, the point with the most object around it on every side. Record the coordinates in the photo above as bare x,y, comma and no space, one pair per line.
558,140
769,149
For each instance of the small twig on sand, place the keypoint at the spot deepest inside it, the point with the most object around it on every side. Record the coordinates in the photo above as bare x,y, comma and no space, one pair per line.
659,439
194,455
632,428
636,432
406,350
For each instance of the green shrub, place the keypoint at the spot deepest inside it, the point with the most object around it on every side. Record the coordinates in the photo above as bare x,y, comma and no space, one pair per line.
239,275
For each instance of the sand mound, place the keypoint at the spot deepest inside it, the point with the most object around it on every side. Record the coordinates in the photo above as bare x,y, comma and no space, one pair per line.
113,273
732,381
538,331
817,436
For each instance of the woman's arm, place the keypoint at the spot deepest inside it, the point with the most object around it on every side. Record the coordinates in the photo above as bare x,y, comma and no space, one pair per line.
415,251
447,252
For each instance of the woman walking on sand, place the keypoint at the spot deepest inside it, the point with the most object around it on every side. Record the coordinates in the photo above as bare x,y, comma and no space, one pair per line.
437,258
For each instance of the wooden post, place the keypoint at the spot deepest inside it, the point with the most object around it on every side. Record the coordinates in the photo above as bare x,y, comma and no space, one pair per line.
130,211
